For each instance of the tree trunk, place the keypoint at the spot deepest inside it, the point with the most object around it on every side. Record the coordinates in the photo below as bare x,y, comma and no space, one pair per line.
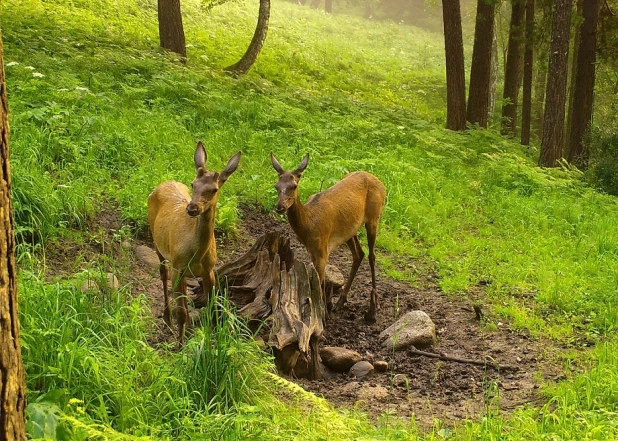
573,74
328,6
12,386
248,59
512,72
316,3
555,97
493,75
581,116
478,95
455,73
171,32
271,289
526,110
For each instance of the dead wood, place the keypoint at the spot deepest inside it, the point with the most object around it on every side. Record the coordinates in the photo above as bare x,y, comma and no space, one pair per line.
266,283
484,363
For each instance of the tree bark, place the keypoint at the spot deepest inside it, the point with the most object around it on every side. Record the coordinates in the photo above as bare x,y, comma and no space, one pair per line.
581,115
555,97
171,31
455,73
512,72
493,75
526,110
478,95
12,386
248,59
573,74
328,6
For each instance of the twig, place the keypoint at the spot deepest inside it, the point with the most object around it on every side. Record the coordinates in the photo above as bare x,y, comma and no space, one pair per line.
609,8
492,364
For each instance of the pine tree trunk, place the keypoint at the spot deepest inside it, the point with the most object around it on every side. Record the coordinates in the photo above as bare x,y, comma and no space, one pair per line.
455,73
555,97
493,75
248,59
573,74
512,72
316,3
581,115
328,6
526,110
12,387
478,95
171,31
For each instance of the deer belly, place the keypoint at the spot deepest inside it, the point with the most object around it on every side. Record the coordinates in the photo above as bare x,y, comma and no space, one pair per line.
337,240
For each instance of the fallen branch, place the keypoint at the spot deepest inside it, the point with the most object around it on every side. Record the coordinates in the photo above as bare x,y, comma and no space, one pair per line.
609,8
492,364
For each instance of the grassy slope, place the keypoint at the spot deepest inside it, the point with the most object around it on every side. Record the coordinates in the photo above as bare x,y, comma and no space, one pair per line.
111,117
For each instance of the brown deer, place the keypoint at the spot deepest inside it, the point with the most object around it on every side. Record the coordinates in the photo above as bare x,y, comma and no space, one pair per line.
183,232
333,217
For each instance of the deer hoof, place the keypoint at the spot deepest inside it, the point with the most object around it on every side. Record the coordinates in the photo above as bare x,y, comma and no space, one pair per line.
370,316
340,303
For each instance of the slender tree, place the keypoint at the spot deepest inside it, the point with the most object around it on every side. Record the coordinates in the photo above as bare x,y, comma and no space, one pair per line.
328,6
512,72
455,74
478,94
248,59
493,74
526,110
171,31
583,93
555,97
12,387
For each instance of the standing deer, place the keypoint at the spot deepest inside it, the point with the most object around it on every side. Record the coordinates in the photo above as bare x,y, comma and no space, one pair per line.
333,217
183,232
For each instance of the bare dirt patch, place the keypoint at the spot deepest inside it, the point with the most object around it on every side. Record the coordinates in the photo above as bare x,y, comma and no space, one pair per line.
412,385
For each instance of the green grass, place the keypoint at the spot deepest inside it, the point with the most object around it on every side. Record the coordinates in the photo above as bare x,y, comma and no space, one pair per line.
111,117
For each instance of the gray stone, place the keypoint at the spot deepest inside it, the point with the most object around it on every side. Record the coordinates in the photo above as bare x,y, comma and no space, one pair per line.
381,366
339,359
362,369
334,278
413,328
147,256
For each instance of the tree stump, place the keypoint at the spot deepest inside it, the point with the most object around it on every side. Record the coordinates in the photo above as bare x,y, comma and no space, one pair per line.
267,283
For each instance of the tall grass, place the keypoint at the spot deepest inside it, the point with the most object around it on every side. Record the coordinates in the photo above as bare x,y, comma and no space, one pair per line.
99,115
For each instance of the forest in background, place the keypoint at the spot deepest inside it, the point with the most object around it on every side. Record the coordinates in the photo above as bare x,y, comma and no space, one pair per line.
99,116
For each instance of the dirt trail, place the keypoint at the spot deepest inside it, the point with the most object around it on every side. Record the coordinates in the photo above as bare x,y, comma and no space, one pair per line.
423,387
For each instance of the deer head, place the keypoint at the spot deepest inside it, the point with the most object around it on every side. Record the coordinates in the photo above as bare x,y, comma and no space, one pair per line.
206,184
287,185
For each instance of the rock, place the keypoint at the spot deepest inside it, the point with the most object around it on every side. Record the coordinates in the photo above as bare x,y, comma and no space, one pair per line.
125,244
339,359
413,328
89,285
381,366
372,393
111,281
334,278
147,256
362,369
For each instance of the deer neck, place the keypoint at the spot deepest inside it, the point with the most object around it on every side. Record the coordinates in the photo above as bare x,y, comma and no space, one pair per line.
204,229
299,217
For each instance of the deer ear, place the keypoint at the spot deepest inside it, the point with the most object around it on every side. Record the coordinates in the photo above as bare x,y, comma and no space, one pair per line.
276,164
301,168
200,156
230,168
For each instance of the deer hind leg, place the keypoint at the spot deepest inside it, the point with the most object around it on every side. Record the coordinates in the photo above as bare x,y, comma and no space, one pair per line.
163,272
357,257
182,310
372,232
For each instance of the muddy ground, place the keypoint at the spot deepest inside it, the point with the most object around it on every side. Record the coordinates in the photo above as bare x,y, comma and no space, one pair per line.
413,385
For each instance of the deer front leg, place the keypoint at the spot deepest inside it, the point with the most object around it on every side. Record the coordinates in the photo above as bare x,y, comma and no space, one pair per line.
179,290
319,262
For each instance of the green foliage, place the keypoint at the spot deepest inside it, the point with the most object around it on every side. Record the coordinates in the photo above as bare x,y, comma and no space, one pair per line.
99,115
603,171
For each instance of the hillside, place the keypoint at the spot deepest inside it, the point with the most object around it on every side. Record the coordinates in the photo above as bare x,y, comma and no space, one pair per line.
99,116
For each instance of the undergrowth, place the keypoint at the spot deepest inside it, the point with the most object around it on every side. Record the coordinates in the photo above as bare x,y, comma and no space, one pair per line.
99,115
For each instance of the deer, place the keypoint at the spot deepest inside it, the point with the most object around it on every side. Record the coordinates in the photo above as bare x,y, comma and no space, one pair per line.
183,231
334,217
